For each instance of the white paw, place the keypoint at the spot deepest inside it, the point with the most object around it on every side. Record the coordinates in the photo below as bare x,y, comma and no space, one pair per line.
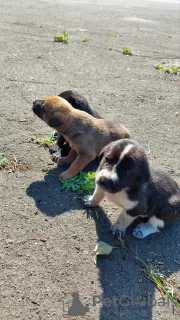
118,230
143,230
88,201
138,232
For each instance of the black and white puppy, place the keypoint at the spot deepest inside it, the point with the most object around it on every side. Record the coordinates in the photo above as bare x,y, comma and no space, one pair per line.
125,177
78,102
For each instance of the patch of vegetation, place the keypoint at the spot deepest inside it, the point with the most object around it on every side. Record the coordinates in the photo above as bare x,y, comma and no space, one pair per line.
2,160
167,69
137,37
138,28
109,48
12,164
40,26
165,285
127,51
85,39
83,183
17,22
165,35
46,142
117,35
62,37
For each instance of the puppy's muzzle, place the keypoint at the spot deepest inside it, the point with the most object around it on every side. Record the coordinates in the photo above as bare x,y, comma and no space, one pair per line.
38,108
106,184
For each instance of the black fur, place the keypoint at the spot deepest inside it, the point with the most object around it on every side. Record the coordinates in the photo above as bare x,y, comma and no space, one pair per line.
156,193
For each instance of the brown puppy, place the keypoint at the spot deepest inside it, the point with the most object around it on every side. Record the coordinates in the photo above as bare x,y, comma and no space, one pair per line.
86,135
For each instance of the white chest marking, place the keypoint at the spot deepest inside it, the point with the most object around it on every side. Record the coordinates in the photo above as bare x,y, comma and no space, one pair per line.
121,199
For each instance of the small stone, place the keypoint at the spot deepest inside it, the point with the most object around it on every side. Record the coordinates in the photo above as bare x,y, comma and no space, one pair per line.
9,241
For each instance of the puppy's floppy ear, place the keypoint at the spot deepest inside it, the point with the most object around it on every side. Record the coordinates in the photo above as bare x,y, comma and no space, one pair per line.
101,155
145,172
55,122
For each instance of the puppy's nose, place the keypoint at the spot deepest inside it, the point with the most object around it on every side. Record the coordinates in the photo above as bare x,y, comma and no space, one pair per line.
103,181
38,107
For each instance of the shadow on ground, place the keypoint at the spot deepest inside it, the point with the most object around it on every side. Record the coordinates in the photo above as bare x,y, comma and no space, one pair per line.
127,294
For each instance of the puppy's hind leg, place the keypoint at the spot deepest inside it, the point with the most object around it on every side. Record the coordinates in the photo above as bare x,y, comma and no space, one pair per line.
145,229
95,199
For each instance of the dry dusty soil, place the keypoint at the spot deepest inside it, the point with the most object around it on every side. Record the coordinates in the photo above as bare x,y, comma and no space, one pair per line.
47,238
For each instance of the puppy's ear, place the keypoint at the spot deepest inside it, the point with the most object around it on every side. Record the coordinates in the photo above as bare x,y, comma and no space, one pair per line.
55,122
145,172
101,155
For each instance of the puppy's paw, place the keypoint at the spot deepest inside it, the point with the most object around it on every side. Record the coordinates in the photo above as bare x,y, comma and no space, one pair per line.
55,157
118,230
138,232
65,175
88,201
143,230
61,161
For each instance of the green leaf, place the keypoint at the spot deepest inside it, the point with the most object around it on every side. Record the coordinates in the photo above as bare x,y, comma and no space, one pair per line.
102,248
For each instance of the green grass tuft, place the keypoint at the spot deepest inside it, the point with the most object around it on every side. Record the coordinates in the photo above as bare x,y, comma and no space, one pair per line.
83,183
85,39
172,70
127,51
2,160
117,35
45,142
62,37
109,48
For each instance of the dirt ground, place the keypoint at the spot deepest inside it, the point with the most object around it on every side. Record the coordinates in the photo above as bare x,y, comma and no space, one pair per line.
47,238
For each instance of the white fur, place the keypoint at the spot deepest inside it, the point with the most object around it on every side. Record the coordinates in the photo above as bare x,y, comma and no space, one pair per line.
125,151
121,199
145,229
156,223
107,174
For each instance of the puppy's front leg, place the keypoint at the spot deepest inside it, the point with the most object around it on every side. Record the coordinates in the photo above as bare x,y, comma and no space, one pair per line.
95,199
68,159
80,163
124,220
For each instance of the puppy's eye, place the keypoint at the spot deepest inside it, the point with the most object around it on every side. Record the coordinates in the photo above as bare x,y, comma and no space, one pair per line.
52,113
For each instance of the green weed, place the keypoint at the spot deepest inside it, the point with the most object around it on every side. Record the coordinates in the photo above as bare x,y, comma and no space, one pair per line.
162,66
164,284
83,183
127,51
62,37
45,142
85,39
2,161
117,35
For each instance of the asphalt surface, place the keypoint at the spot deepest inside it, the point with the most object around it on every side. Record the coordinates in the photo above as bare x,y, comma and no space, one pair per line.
47,238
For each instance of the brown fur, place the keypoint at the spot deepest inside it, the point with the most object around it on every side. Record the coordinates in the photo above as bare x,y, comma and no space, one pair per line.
86,135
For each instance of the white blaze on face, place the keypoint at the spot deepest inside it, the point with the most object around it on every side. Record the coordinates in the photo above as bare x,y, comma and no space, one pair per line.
111,174
106,173
125,151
